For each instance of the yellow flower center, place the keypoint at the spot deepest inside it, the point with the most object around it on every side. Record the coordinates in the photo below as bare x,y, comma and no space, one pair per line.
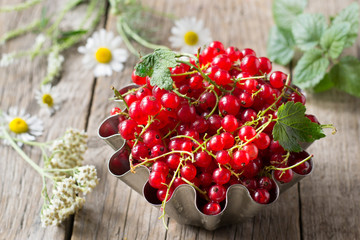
103,55
191,38
48,100
18,125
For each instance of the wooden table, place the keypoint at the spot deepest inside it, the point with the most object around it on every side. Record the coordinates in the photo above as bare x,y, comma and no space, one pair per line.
325,205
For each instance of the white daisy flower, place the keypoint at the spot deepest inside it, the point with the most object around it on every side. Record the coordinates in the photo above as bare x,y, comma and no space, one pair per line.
7,59
102,53
188,34
48,98
21,125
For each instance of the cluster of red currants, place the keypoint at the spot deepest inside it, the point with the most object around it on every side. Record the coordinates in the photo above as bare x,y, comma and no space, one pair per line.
214,129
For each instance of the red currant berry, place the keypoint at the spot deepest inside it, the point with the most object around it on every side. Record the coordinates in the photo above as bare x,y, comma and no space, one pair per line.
241,158
160,167
223,157
196,82
205,179
227,139
234,54
217,193
115,110
248,52
150,105
261,196
130,98
252,150
250,64
142,92
216,143
277,79
178,70
221,176
229,123
202,159
222,61
211,208
152,137
262,141
157,180
170,100
188,171
161,193
229,105
137,79
284,176
266,183
246,99
186,113
295,97
246,133
222,77
140,151
265,65
173,161
128,128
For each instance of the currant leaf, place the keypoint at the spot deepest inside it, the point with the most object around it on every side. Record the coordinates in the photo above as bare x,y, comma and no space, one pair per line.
350,15
325,84
293,127
333,39
307,30
311,68
280,46
345,75
157,63
285,12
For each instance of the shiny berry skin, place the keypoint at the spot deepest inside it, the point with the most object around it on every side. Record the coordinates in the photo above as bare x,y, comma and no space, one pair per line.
200,125
135,112
217,44
188,171
252,150
140,151
234,54
265,65
217,193
250,183
303,169
222,77
115,110
275,147
130,98
229,105
221,176
266,183
216,143
160,167
177,182
137,79
158,92
223,157
211,208
142,92
222,61
186,113
246,133
227,139
178,70
294,97
312,118
150,105
170,100
277,79
214,123
250,64
241,158
248,52
152,137
161,194
157,180
128,128
261,196
251,170
196,82
207,101
248,114
284,176
157,150
173,161
262,141
246,99
229,123
202,159
205,179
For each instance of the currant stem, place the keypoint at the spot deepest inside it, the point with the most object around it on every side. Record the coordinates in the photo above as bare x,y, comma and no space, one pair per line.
292,166
117,94
334,130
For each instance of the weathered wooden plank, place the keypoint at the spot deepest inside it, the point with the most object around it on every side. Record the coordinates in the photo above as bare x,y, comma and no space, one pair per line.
330,196
20,185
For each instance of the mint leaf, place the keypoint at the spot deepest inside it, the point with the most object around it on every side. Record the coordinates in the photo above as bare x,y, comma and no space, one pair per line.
310,69
333,39
325,84
292,127
285,11
161,77
156,65
350,15
345,75
307,30
280,46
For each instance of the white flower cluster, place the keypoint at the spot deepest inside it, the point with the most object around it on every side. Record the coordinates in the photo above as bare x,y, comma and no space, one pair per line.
67,152
7,59
55,61
66,199
86,178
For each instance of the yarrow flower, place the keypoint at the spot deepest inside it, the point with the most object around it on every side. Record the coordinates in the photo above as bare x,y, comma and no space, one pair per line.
7,59
54,66
48,98
67,152
86,178
102,53
188,34
21,125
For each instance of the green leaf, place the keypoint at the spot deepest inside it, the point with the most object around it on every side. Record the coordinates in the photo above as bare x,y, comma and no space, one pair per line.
324,84
345,75
280,46
350,15
307,30
293,127
285,11
161,77
333,39
310,69
156,65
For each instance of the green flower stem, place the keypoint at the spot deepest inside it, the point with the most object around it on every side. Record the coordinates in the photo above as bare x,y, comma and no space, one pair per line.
118,95
20,6
334,130
136,37
126,40
71,4
20,31
23,155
